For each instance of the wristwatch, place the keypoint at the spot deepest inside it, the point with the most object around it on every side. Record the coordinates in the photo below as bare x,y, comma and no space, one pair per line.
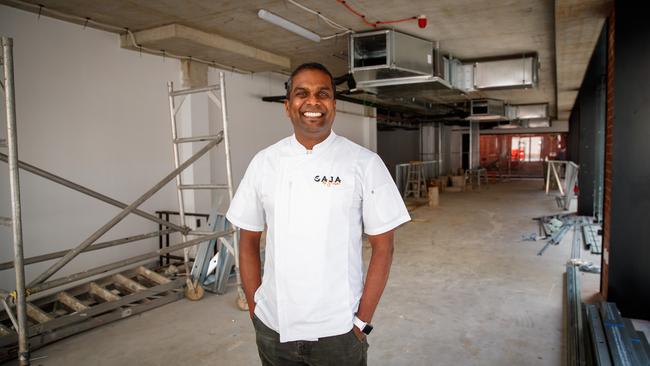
363,326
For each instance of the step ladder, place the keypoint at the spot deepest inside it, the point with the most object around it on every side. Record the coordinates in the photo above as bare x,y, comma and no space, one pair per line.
194,290
90,305
415,182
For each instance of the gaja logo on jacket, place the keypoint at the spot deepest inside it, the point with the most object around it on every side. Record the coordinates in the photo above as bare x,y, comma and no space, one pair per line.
328,181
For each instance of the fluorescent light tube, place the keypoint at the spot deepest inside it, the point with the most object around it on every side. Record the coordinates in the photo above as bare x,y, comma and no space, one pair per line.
290,26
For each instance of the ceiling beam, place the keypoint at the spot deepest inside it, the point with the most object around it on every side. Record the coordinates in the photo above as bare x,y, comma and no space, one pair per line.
190,42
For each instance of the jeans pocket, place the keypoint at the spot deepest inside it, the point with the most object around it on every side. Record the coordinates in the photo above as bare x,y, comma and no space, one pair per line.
359,341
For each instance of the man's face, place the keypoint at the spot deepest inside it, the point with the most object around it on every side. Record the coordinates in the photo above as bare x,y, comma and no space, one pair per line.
311,105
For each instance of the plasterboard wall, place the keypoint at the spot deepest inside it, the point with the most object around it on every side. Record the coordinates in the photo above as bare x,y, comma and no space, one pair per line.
91,113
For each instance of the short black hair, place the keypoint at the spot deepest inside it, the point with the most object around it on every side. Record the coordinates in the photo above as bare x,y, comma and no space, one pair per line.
308,66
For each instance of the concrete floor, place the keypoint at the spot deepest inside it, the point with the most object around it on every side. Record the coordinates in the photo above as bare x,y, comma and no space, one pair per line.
464,290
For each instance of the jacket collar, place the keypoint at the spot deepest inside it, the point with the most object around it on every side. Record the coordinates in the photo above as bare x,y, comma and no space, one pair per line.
297,147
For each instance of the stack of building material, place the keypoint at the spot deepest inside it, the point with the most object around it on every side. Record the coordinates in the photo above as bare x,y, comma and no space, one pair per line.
612,339
590,236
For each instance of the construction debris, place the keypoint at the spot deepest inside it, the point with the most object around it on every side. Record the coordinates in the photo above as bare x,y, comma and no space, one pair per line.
532,237
598,334
554,228
584,265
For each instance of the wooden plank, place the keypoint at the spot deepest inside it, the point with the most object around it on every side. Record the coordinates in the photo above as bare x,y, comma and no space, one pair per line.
37,314
75,290
153,276
70,301
128,283
39,341
103,293
101,308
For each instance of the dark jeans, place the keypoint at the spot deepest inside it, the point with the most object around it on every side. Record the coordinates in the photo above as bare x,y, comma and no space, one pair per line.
341,350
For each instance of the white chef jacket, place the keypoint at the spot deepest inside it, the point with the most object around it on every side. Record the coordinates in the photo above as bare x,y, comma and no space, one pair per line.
314,204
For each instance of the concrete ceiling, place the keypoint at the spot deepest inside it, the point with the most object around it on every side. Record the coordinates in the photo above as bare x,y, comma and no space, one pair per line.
563,34
578,24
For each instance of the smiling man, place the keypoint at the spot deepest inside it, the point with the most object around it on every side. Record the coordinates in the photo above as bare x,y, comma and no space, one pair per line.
316,193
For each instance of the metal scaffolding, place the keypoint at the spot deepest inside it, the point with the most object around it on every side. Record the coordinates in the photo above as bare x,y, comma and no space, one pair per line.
153,290
20,322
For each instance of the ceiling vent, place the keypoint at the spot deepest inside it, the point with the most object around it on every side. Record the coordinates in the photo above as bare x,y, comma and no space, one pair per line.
388,58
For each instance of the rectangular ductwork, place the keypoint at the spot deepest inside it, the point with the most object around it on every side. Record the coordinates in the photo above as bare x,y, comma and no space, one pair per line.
518,72
526,123
487,110
460,75
529,115
527,111
388,58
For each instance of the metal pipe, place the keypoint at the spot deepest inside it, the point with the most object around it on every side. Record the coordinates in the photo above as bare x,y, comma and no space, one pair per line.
123,263
14,186
439,148
9,313
224,119
548,175
107,244
471,142
203,186
97,234
79,188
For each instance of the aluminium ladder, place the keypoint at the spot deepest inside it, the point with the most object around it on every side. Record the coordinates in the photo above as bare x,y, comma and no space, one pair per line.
415,180
194,289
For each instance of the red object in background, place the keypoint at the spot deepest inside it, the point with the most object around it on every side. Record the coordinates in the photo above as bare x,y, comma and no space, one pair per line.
576,190
422,21
518,155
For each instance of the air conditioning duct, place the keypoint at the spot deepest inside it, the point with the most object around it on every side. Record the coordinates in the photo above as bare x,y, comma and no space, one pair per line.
521,72
527,111
460,75
389,58
529,115
487,110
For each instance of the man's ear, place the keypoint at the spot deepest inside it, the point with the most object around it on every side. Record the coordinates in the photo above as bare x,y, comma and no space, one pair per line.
286,106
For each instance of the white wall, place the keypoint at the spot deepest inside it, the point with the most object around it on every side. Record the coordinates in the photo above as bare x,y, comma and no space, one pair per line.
96,114
92,113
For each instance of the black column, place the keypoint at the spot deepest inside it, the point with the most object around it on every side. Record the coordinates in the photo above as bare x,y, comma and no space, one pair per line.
629,254
587,125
